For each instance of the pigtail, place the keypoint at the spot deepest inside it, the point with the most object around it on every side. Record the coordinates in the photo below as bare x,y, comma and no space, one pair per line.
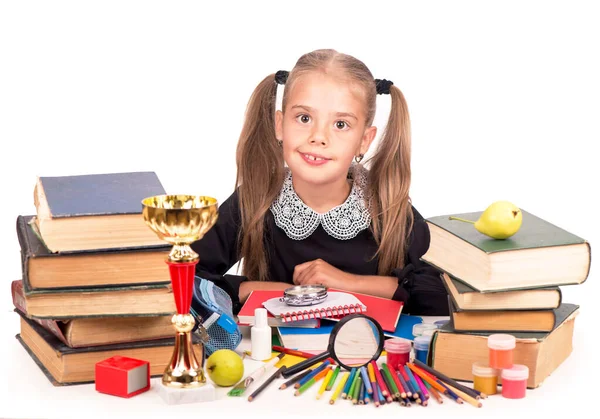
260,173
389,184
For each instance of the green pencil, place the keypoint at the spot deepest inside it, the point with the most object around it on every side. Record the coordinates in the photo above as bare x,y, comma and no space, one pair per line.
351,391
333,377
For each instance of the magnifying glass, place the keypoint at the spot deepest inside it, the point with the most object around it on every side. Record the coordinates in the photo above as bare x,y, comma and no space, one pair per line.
355,341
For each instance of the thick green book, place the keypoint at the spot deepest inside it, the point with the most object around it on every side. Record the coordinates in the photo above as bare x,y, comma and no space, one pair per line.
540,254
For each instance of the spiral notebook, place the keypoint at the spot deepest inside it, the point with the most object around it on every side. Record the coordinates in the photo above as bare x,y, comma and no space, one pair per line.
337,305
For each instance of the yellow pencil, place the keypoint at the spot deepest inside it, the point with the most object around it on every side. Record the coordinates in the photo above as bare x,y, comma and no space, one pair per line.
465,396
339,388
324,384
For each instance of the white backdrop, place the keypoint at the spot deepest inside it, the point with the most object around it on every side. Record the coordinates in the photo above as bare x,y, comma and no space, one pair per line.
504,98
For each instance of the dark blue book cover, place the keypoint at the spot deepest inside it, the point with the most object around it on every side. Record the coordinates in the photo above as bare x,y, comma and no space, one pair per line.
99,194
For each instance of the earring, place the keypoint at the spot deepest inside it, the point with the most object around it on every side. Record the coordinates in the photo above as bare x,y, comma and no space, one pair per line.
280,143
359,158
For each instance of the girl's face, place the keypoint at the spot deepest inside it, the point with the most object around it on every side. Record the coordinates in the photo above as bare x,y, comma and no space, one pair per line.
322,128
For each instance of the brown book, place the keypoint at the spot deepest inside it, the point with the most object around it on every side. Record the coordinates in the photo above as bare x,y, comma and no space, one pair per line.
453,353
43,269
139,300
539,255
507,321
93,331
64,365
467,298
92,212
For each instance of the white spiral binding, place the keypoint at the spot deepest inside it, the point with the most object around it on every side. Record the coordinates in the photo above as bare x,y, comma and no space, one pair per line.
324,313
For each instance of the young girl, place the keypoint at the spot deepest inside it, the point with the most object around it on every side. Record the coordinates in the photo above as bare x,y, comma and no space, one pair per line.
323,219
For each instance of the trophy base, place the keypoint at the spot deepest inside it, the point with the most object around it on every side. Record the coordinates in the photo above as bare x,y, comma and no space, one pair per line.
175,396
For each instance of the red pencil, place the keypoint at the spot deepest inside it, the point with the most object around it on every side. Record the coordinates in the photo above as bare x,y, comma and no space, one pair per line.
380,382
298,353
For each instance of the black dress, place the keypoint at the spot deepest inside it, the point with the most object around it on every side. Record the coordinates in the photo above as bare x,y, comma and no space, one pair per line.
419,285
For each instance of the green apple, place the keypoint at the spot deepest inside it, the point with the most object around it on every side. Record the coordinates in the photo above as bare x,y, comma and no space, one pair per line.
225,367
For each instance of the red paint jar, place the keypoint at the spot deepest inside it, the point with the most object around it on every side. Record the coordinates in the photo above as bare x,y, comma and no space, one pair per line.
514,381
398,351
501,350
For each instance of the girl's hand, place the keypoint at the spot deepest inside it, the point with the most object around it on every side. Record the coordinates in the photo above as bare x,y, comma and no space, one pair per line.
319,272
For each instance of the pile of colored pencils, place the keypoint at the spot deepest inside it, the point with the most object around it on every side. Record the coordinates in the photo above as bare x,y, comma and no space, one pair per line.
413,383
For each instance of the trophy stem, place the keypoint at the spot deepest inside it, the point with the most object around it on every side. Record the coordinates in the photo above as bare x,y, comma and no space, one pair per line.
184,370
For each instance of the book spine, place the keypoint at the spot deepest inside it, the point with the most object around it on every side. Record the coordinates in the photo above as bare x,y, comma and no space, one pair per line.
20,304
323,313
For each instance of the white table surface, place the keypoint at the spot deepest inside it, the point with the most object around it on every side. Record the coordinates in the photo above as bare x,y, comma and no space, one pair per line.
27,393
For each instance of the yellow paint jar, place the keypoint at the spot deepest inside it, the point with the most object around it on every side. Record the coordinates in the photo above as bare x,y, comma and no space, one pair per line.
485,378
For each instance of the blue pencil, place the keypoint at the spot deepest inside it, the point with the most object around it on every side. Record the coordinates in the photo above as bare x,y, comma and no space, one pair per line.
365,377
413,383
380,396
348,383
312,374
407,388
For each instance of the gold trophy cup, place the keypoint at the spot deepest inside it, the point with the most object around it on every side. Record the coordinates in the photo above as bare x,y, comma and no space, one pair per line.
181,220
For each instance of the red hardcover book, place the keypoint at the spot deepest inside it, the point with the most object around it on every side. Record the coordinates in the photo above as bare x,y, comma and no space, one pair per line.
385,311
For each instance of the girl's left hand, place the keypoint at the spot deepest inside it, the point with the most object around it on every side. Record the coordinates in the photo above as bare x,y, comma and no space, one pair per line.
319,272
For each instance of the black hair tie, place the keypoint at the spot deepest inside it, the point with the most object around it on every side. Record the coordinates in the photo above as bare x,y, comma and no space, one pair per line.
281,76
383,86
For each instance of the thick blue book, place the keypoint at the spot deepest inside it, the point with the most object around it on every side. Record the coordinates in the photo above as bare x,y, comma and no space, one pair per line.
93,212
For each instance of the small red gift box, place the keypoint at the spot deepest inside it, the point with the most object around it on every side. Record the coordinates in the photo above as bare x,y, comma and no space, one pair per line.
122,376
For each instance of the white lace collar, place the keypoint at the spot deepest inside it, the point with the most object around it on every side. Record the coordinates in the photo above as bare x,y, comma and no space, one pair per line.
343,222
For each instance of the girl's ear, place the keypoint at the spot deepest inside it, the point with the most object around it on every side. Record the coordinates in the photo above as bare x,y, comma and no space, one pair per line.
367,139
279,125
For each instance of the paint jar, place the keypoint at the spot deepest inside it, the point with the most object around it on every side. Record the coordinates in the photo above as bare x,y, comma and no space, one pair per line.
419,328
485,378
514,381
422,348
398,351
440,323
501,350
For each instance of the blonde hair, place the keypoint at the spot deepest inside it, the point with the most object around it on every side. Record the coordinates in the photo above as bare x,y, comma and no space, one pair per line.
260,164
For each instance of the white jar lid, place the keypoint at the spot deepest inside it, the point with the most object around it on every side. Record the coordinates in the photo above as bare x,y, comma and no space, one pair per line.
484,370
501,341
517,372
419,328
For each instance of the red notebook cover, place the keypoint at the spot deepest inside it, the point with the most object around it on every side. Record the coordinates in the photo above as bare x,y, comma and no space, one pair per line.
386,312
256,299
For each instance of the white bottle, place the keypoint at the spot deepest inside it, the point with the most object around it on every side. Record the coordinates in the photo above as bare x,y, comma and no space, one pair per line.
260,336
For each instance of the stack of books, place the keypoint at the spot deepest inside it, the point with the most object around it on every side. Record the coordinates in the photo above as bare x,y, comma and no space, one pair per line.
506,286
94,279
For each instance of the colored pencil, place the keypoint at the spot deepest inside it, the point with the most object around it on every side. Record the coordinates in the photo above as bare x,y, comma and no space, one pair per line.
380,394
421,386
435,393
324,384
451,394
392,371
407,389
333,377
339,388
294,379
361,393
301,354
386,371
372,378
376,394
409,383
391,393
406,402
314,372
357,388
366,381
415,385
266,383
351,391
433,381
473,393
382,387
465,396
348,383
312,381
